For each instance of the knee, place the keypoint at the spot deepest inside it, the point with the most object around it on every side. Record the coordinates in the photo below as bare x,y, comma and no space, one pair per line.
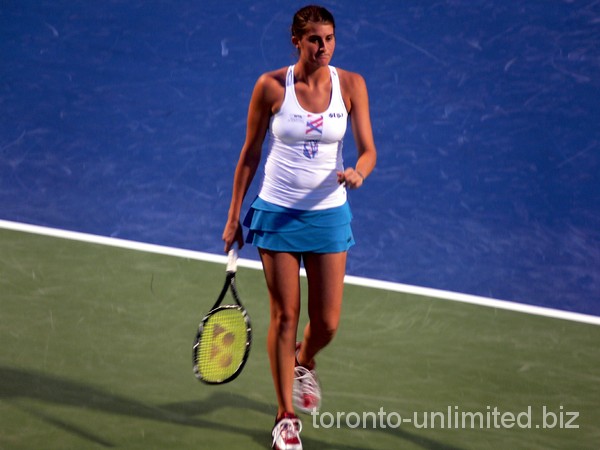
285,322
324,329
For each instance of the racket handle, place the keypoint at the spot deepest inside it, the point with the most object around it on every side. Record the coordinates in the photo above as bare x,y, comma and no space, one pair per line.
232,257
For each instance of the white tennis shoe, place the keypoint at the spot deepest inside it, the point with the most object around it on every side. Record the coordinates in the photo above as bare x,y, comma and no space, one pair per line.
286,433
306,389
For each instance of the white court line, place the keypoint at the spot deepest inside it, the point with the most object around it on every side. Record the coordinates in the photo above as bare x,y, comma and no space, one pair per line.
357,281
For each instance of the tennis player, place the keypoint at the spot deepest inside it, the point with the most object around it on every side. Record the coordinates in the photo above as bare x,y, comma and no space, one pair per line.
301,214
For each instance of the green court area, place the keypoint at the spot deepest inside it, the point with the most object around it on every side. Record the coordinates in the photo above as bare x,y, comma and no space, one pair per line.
96,353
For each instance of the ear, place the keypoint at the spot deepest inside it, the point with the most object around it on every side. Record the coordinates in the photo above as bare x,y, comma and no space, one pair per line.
295,42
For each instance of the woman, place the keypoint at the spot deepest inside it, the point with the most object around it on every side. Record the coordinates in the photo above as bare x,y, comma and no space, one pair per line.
301,213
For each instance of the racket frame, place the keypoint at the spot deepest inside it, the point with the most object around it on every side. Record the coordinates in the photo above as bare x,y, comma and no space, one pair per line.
229,285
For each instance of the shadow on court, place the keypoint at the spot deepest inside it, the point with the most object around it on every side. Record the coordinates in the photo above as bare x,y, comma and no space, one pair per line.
17,384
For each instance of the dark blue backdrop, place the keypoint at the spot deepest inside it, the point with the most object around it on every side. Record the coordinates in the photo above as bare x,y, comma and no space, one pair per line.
125,118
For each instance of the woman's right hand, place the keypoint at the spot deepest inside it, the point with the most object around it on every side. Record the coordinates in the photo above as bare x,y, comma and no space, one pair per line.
233,233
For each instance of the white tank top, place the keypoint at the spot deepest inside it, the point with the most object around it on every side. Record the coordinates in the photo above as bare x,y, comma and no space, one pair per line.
305,152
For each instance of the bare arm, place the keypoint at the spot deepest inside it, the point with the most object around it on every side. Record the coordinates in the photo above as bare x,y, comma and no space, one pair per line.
357,96
259,112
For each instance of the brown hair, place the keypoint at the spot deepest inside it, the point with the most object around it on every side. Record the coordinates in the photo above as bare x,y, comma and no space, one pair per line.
310,13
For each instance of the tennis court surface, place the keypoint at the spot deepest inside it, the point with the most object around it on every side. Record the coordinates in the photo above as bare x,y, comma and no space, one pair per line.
96,353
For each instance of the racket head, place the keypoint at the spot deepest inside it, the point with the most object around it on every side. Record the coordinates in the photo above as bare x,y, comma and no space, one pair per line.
222,344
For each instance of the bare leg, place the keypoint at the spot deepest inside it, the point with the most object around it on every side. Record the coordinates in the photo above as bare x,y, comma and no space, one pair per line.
283,282
325,274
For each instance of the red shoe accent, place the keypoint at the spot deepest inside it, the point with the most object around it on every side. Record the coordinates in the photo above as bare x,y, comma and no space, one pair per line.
286,433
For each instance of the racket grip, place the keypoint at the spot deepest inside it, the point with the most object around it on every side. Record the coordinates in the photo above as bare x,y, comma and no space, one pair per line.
232,257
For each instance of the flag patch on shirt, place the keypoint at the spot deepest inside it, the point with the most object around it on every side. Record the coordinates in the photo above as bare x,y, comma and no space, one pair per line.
314,125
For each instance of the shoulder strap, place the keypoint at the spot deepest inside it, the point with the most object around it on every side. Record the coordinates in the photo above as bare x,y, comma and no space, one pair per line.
336,90
289,79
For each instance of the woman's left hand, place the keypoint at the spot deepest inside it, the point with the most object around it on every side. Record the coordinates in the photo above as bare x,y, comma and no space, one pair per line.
351,177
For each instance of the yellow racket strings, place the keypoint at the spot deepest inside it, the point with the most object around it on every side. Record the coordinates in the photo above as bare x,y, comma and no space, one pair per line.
222,346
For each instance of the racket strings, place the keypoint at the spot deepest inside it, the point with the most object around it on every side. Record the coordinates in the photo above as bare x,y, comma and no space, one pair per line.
223,345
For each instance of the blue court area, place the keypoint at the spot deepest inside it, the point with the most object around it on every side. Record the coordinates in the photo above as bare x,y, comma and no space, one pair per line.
125,119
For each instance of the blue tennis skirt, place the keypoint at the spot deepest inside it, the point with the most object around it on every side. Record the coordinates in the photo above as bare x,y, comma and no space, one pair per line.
281,229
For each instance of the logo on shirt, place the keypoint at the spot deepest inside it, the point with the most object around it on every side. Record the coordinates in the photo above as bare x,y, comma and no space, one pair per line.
311,148
295,118
314,130
314,125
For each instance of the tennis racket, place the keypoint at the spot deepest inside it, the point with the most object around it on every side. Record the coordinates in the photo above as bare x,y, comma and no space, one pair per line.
224,336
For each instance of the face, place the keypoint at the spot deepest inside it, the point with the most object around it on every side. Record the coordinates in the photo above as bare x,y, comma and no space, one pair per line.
316,46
